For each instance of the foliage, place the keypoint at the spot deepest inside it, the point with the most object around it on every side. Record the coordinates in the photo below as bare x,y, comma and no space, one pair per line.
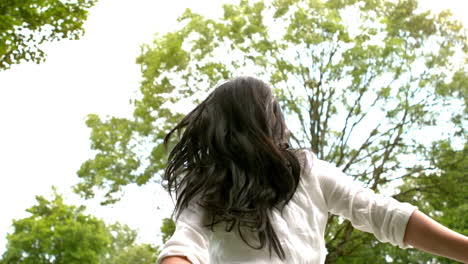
136,254
26,24
167,229
123,248
355,93
56,233
60,233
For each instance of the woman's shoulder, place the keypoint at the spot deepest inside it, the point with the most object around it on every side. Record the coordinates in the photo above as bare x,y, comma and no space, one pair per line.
313,165
307,158
302,150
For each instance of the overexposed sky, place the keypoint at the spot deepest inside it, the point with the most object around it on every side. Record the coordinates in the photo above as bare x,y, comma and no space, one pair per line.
43,136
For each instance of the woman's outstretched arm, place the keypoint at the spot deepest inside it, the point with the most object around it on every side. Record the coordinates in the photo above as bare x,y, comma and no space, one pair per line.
425,234
176,260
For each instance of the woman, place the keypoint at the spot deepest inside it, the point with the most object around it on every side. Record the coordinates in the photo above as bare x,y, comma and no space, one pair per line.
241,192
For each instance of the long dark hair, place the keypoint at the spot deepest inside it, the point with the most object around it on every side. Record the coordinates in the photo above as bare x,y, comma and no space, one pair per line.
233,159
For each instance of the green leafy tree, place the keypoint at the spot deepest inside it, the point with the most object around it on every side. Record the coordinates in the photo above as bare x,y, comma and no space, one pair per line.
167,229
26,24
136,254
56,233
60,233
357,81
124,248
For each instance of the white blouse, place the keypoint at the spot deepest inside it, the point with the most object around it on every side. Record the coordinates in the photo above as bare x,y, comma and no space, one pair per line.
323,188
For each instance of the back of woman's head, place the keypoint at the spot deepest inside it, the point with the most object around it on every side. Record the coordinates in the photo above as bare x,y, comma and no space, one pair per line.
233,159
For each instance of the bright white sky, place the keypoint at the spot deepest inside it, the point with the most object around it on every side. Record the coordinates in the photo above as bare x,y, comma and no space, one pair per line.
44,139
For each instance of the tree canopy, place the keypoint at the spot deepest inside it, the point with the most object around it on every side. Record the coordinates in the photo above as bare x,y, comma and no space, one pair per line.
56,233
26,24
124,248
59,233
360,83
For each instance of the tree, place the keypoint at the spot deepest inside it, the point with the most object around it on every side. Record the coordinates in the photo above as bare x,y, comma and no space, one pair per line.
124,248
60,233
355,92
136,254
26,24
56,233
167,229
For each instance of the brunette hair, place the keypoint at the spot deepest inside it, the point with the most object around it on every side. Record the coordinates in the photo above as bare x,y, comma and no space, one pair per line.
233,159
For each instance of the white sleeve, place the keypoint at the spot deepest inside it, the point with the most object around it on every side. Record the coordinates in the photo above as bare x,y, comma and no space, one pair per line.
190,239
368,211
